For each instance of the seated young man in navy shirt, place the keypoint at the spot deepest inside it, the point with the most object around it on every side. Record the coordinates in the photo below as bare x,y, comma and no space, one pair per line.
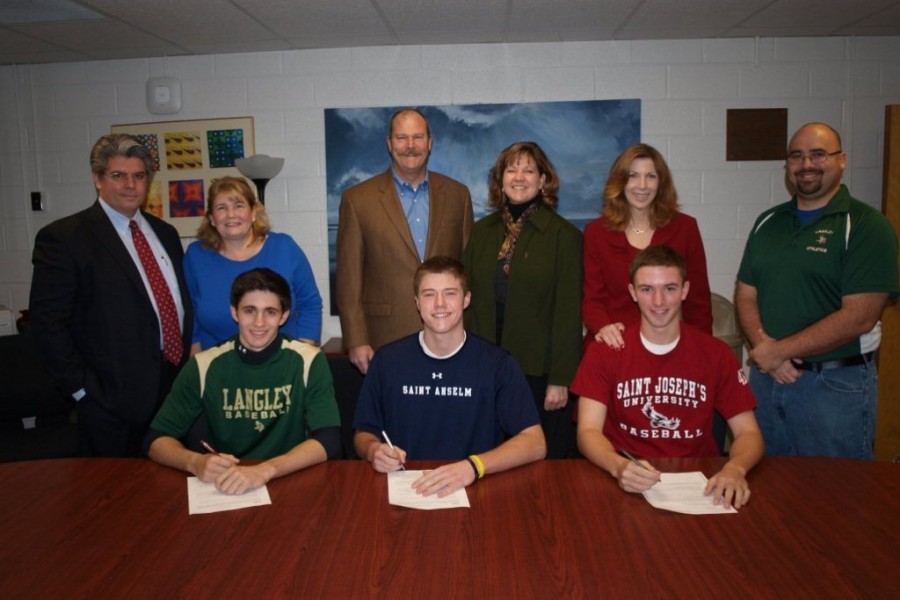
444,394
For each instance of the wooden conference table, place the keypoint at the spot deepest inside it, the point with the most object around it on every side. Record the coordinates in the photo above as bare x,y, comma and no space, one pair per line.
119,528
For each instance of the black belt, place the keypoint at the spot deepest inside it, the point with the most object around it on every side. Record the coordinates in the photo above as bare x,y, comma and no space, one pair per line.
850,361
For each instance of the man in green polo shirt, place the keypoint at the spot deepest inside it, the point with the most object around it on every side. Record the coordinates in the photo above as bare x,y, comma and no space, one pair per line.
263,395
815,277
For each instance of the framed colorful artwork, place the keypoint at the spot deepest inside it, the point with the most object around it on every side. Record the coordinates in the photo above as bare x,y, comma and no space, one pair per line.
187,156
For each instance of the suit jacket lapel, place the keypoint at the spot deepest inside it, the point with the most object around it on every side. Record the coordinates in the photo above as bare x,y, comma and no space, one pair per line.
390,202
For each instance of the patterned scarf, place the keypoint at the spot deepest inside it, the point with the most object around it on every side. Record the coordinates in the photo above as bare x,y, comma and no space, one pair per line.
513,228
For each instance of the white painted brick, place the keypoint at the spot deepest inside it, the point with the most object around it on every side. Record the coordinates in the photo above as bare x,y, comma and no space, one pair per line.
697,152
463,56
829,80
809,49
890,82
84,100
54,74
876,48
280,93
118,71
866,186
16,233
715,115
530,55
72,166
16,205
305,126
595,53
189,67
131,98
571,83
716,222
688,184
867,78
301,160
304,227
702,81
631,81
487,86
268,126
214,98
666,51
61,134
348,89
774,81
734,187
248,64
387,58
307,194
863,150
305,62
417,88
729,51
826,110
11,169
868,115
675,117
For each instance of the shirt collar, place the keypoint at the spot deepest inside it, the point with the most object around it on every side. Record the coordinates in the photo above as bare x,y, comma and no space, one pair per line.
400,183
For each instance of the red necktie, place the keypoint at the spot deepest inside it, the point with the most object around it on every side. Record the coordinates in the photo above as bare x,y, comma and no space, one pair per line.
168,314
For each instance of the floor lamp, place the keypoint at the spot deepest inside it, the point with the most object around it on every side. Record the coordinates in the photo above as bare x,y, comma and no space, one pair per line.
259,169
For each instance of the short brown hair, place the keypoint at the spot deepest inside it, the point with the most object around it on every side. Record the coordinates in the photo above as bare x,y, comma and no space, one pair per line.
511,154
615,207
657,256
235,188
441,264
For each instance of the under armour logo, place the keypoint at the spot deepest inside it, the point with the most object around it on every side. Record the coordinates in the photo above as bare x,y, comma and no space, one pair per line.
437,375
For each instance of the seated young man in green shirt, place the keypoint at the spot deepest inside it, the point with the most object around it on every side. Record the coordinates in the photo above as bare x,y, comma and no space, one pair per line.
264,396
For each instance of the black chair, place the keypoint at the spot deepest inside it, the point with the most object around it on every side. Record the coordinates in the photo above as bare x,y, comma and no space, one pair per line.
36,420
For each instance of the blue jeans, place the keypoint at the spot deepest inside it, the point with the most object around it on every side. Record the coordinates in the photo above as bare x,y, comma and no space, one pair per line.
829,413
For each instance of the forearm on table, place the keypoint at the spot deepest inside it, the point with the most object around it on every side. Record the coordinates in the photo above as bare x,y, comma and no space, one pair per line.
306,454
526,446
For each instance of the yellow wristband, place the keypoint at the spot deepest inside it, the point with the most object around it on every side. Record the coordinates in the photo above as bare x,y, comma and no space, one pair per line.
478,463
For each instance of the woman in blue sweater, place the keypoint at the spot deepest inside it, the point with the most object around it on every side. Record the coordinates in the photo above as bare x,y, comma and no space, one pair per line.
235,238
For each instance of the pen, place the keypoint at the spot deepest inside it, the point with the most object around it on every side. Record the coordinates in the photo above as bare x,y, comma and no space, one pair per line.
209,447
633,459
388,440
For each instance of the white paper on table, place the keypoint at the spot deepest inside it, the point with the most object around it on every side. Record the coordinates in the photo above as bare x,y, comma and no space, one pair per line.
205,498
683,493
400,493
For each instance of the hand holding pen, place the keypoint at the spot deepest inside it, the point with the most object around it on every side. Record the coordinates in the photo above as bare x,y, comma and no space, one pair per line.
210,466
635,475
391,459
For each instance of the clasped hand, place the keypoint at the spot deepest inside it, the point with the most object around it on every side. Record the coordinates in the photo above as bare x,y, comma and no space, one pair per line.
229,478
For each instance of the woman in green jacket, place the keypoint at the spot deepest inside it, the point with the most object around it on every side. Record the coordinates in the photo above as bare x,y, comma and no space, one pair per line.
524,261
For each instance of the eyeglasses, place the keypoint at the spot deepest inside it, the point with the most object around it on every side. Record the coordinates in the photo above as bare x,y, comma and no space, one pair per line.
122,177
816,157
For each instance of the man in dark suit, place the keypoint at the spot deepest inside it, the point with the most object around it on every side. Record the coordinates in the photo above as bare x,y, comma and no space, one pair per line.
388,225
106,297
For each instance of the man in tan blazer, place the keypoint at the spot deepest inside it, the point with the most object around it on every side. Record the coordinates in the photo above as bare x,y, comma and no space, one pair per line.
387,226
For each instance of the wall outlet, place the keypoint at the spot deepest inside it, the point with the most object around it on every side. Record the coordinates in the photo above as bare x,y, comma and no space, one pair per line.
37,201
